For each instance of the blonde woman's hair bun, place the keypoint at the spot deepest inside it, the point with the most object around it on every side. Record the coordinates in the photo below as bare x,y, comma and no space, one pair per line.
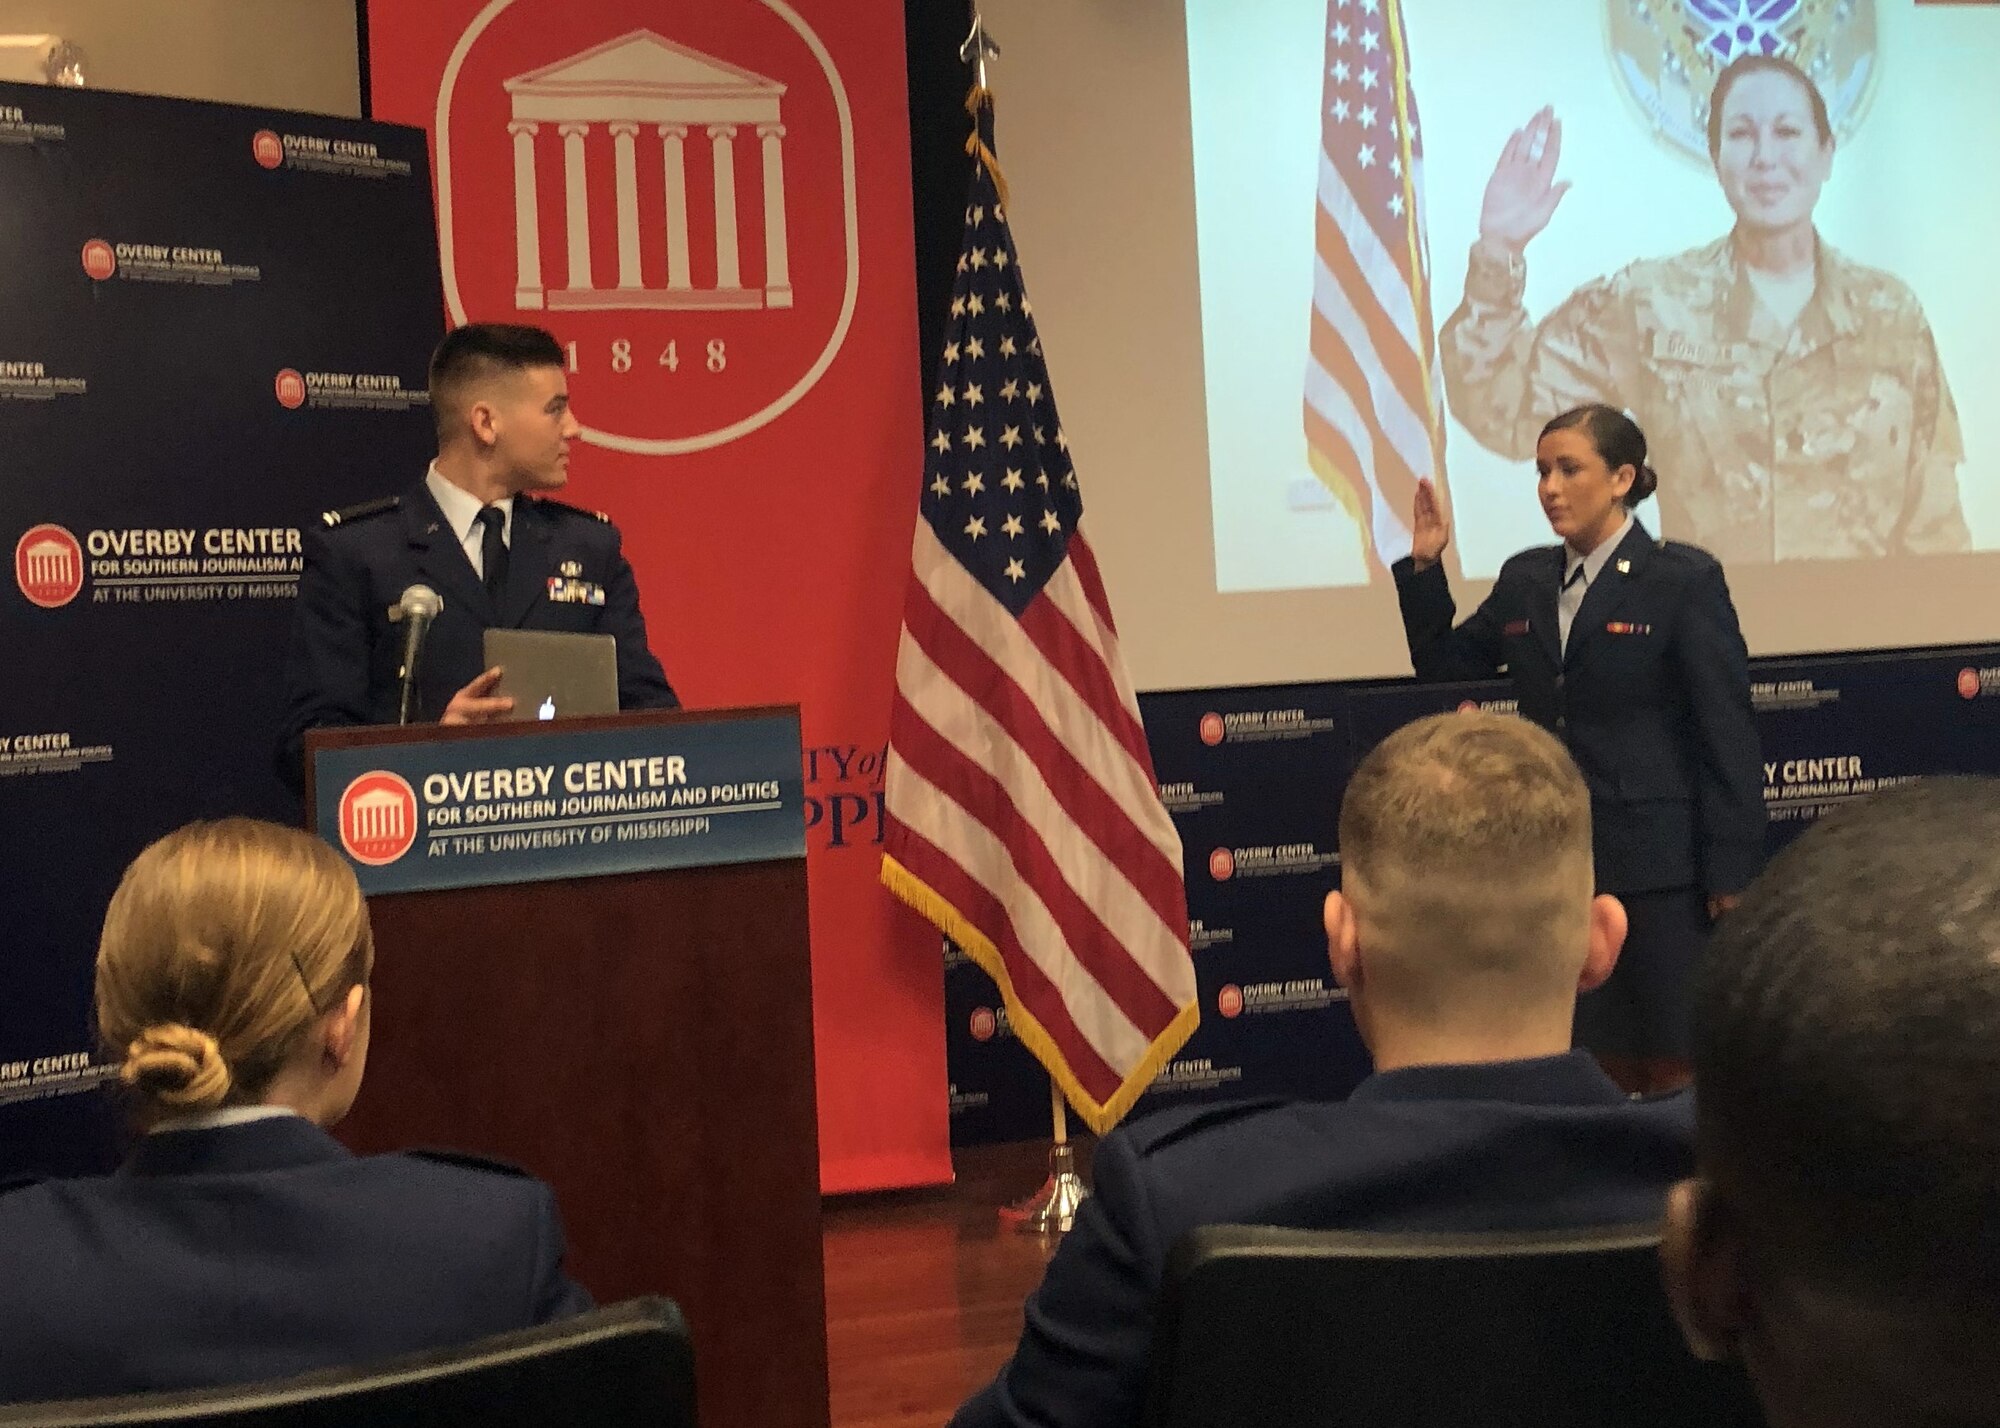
179,1067
250,932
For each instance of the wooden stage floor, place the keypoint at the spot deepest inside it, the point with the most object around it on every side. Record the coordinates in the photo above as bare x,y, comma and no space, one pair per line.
924,1289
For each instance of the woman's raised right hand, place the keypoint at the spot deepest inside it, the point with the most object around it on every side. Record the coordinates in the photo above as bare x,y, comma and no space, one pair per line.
1430,532
1522,195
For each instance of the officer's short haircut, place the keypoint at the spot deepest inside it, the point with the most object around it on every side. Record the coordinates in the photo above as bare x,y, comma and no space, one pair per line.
1465,851
1847,1053
1763,64
473,353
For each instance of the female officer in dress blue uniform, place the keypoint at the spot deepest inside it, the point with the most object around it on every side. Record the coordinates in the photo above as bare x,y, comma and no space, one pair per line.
1628,649
241,1241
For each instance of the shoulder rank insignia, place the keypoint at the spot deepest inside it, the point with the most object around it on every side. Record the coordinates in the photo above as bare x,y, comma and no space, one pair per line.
572,510
359,512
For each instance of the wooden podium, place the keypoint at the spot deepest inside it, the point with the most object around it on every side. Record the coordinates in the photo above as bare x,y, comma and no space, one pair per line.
608,983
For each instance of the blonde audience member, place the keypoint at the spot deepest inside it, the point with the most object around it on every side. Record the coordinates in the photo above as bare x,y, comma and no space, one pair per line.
240,1240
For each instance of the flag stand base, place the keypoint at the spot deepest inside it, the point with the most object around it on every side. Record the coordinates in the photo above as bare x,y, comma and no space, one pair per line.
1052,1209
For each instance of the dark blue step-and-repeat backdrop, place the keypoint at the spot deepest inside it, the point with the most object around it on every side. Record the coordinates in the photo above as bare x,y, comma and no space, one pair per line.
1254,777
214,324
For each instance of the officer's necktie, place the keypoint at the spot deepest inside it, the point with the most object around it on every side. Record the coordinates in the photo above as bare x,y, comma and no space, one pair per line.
1569,601
493,553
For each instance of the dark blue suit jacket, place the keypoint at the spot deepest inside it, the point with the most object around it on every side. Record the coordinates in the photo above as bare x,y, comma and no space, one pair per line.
344,657
1542,1144
1652,697
262,1250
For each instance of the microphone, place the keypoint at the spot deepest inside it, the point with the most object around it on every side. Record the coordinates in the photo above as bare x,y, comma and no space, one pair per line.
415,611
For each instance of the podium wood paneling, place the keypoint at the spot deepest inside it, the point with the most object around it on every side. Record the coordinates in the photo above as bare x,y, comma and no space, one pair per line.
643,1042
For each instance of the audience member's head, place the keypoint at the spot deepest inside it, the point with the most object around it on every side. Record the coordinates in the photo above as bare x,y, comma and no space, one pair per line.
1843,1238
233,971
1466,921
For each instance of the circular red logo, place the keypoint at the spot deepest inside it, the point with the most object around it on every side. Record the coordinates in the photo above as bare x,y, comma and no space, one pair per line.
48,566
984,1024
99,260
1468,706
1211,729
267,148
1229,1001
1222,865
1968,684
378,818
667,358
291,389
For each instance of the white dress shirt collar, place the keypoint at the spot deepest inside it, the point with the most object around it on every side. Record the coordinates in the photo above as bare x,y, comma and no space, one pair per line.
1594,563
217,1119
461,508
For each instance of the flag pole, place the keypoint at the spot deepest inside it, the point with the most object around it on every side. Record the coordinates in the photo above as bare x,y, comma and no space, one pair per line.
1052,1209
950,823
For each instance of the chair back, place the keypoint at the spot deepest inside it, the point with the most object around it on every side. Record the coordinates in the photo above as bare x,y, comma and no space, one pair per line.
625,1366
1566,1329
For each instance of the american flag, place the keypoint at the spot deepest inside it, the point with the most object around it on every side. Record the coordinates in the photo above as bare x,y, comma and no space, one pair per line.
1373,425
1023,817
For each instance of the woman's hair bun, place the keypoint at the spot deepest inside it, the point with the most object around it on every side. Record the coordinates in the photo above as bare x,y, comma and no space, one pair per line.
1645,481
177,1066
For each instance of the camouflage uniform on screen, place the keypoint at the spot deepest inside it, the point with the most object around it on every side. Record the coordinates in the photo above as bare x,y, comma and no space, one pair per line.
1836,440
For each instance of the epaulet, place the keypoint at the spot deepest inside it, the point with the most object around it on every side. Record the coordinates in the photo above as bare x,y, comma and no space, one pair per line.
341,517
568,509
467,1161
1165,1128
1694,554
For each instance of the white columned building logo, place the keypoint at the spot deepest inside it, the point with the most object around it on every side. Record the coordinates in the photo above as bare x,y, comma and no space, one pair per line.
635,92
50,562
377,818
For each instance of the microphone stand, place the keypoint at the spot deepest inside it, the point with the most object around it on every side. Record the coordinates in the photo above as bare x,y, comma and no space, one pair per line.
416,617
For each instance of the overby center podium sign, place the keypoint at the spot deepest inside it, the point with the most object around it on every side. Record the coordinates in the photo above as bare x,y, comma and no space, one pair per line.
574,798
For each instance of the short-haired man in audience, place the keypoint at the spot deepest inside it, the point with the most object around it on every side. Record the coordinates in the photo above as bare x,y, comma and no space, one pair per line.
1465,928
1843,1239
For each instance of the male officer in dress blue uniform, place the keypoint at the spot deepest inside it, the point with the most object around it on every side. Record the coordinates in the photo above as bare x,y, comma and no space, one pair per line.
1465,926
479,531
1841,1240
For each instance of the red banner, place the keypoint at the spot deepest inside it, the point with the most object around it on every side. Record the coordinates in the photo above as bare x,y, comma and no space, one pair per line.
709,206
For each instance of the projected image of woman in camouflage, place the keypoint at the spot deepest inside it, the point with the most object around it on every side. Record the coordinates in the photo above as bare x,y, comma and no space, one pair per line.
1794,394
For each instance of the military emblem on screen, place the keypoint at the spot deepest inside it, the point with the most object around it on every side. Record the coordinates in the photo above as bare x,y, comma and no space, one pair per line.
1667,54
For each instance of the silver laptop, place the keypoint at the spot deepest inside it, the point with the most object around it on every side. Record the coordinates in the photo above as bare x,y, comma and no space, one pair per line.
552,675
